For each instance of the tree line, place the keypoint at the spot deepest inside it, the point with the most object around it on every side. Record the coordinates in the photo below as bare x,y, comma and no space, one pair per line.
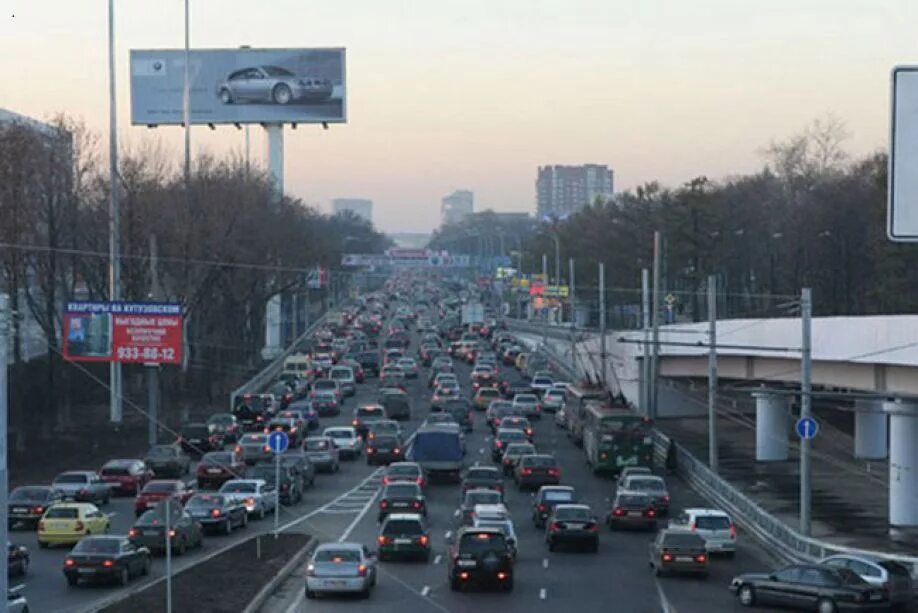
812,216
225,244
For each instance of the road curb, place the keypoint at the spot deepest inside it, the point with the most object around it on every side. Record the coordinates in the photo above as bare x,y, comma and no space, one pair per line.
280,577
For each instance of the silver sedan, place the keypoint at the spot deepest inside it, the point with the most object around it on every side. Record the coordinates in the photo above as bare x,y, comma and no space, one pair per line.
341,567
272,84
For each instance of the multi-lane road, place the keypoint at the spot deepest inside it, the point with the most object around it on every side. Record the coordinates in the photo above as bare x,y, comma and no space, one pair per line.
342,506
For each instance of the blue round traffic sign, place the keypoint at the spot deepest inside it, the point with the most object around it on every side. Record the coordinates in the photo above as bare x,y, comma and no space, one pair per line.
807,427
278,441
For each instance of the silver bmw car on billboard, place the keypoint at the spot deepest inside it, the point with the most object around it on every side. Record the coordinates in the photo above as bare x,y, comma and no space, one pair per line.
273,85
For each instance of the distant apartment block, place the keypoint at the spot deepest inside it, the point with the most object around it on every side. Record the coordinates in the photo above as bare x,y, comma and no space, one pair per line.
456,206
561,190
359,206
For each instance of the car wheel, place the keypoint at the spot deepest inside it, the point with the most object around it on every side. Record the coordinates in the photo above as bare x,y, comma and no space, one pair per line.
124,576
71,580
551,545
226,96
228,527
245,520
42,545
454,584
310,594
23,567
746,596
365,593
282,94
826,605
261,513
182,547
508,584
145,569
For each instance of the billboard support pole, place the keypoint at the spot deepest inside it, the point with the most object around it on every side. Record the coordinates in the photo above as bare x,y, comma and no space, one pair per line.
275,133
153,369
114,216
4,407
186,97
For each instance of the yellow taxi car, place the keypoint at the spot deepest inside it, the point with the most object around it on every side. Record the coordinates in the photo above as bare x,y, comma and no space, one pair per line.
484,396
67,523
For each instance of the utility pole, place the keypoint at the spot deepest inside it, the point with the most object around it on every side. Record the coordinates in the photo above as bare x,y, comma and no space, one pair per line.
712,373
114,216
186,95
4,435
645,323
152,368
655,320
557,260
602,322
168,555
806,368
545,267
573,303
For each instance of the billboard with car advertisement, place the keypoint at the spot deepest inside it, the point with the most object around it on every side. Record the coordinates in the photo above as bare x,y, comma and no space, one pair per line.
131,332
239,86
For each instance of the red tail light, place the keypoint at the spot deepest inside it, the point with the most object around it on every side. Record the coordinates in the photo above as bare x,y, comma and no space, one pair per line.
383,540
216,513
502,576
38,510
396,450
701,558
667,557
420,481
593,527
650,513
69,562
362,570
464,575
416,504
618,512
383,504
356,422
732,531
507,461
238,449
266,449
555,526
108,563
172,533
542,508
666,499
423,540
527,471
79,526
554,472
386,480
41,526
499,444
133,532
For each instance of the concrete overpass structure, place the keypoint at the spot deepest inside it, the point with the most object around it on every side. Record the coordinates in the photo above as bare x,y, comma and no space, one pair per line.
873,359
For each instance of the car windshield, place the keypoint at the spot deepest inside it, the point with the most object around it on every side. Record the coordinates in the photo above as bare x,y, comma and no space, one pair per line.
403,471
276,71
29,493
324,384
163,452
482,542
316,445
205,500
647,485
712,522
682,539
490,497
573,514
385,440
634,501
116,471
197,431
482,473
512,435
370,412
402,490
539,461
403,526
72,478
503,525
559,496
238,488
97,545
340,433
62,513
337,556
519,450
217,459
341,373
259,439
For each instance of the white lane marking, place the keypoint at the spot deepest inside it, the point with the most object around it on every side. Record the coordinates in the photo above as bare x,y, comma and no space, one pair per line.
665,605
543,594
545,563
456,513
331,504
481,450
360,516
425,590
448,534
437,559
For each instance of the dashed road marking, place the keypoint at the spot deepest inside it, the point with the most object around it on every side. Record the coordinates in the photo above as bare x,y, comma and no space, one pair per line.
665,606
481,450
543,594
448,534
545,563
456,513
437,559
425,590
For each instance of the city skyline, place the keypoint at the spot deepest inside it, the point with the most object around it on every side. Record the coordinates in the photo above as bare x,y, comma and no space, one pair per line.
690,90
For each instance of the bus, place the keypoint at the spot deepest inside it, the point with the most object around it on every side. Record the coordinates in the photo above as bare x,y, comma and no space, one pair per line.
576,398
614,438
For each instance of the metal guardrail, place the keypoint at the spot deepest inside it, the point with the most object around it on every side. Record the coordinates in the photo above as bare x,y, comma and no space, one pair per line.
781,538
273,369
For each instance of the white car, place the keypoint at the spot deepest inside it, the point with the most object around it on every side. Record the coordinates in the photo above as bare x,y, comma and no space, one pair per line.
347,441
256,495
341,567
344,375
552,400
713,525
541,384
893,576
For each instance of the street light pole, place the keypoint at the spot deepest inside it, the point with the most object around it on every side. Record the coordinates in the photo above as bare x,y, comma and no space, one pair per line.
557,259
806,399
186,95
114,215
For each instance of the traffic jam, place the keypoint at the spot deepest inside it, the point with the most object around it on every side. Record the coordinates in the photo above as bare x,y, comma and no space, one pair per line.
484,442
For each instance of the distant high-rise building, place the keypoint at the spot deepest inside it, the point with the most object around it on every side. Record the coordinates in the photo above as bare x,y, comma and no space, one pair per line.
359,206
561,190
456,206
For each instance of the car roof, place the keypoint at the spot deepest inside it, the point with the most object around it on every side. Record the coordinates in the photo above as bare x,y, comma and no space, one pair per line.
556,488
583,507
339,546
403,464
74,505
405,517
706,512
76,472
254,481
349,429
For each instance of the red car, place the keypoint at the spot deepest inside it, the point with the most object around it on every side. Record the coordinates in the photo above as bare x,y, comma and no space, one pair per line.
126,476
218,467
160,489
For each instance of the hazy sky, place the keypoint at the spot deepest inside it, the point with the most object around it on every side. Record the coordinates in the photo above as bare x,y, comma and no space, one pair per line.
475,94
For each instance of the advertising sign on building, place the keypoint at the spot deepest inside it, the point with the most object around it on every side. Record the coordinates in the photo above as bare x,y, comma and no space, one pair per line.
131,332
239,86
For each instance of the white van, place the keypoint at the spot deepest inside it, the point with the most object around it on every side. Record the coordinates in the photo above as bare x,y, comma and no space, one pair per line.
298,364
